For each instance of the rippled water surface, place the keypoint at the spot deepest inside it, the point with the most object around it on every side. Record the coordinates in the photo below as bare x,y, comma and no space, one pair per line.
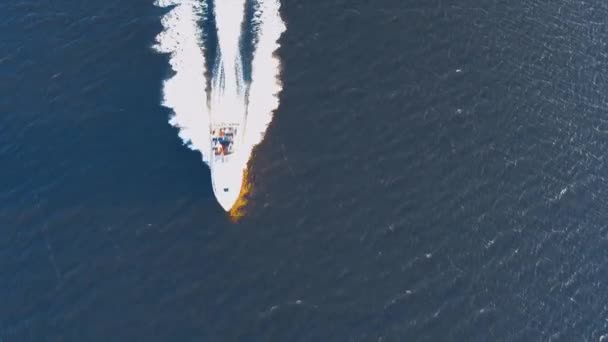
435,171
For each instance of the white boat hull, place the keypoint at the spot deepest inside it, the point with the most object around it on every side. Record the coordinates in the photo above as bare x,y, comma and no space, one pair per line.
226,162
227,179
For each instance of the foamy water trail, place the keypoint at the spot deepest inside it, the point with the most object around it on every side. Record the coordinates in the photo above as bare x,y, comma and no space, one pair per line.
231,100
184,93
228,78
265,75
228,88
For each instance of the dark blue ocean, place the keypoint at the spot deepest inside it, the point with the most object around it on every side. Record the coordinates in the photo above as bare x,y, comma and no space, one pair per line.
435,171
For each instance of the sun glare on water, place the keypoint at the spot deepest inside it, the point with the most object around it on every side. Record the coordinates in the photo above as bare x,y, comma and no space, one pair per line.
238,210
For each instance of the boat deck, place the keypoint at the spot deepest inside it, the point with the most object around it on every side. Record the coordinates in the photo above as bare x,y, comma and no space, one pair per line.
223,140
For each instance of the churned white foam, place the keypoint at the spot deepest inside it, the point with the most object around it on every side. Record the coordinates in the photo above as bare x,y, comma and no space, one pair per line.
265,74
227,89
231,100
229,15
184,92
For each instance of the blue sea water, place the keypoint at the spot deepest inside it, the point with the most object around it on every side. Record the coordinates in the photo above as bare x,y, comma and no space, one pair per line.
88,159
435,171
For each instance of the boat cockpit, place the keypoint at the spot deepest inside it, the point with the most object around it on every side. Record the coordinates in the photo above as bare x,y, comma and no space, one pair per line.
222,140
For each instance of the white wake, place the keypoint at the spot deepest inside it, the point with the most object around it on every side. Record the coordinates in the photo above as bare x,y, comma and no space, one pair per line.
185,92
265,74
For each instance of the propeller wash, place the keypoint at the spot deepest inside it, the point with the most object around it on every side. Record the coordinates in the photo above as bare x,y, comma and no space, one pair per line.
222,104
